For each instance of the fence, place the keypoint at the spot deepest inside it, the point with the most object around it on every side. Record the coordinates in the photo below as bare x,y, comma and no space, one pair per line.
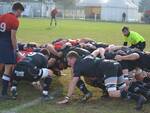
32,8
38,8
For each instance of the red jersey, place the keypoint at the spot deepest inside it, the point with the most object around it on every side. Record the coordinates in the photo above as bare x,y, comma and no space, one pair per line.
23,54
58,45
8,22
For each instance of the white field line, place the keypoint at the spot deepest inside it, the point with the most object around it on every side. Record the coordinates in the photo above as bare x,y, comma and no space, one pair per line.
26,105
31,103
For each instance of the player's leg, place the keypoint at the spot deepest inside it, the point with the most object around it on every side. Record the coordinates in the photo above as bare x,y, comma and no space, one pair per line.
112,80
6,79
111,86
18,74
47,76
132,94
122,82
1,69
97,82
126,75
140,88
140,100
51,21
14,88
55,21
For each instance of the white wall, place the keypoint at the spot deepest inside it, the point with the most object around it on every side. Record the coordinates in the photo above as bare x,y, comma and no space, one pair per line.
112,13
113,10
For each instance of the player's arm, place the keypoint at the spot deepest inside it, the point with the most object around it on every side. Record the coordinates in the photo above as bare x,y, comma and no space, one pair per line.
72,86
52,50
13,39
99,51
133,56
125,41
113,47
15,25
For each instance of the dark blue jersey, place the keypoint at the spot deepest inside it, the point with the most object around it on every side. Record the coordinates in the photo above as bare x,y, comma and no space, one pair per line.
36,59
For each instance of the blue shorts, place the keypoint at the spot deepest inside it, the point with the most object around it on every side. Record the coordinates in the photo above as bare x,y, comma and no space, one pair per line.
7,53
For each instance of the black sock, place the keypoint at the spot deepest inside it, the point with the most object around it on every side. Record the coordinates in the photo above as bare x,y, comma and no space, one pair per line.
47,83
124,94
14,85
5,84
82,87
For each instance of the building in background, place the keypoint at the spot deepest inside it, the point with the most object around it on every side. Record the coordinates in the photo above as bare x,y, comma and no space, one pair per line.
110,10
5,6
136,2
114,9
105,10
92,8
38,8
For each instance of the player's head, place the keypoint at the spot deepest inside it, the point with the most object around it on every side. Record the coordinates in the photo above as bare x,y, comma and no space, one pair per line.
125,31
32,45
139,75
17,8
45,52
72,56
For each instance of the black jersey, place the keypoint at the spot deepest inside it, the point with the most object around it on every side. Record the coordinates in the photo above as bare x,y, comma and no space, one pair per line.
122,52
146,80
82,52
110,55
29,68
85,66
36,59
144,61
61,63
126,64
100,45
95,67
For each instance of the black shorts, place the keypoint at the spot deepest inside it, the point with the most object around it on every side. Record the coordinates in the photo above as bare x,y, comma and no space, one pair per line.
25,71
7,53
113,78
140,45
53,17
110,68
130,65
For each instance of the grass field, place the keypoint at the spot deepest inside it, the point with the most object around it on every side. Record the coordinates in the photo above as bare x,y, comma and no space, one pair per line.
38,30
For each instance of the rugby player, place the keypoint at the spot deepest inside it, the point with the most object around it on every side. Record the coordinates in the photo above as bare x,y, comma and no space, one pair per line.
95,67
33,68
53,16
141,59
140,90
8,44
